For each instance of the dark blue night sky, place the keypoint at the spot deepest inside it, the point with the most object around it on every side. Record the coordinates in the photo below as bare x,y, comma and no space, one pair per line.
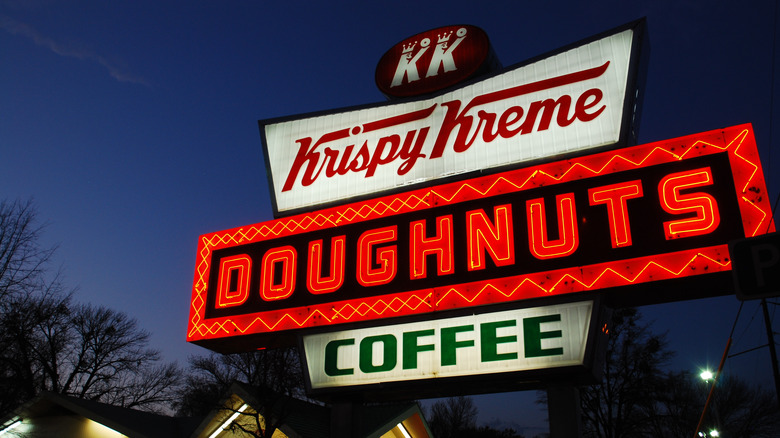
133,125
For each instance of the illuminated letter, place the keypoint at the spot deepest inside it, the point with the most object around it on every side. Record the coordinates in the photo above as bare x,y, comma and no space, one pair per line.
583,105
389,353
420,247
568,240
233,271
615,196
547,108
332,358
489,340
407,65
703,205
315,282
270,289
533,336
386,257
450,344
411,347
442,55
497,240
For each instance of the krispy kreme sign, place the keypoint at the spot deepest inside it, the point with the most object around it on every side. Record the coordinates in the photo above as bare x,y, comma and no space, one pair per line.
578,99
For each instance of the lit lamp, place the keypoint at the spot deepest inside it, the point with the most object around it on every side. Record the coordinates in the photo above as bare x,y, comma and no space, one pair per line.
706,375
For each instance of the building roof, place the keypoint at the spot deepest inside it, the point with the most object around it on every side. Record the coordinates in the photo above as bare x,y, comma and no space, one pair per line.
306,419
129,422
56,413
301,418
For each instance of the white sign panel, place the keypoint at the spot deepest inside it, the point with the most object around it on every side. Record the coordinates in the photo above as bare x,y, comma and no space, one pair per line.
569,102
499,342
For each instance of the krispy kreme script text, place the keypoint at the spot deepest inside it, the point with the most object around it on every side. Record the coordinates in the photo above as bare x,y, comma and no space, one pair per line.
462,123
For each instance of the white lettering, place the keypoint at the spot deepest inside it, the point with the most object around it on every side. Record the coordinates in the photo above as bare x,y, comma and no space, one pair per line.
459,127
442,56
407,64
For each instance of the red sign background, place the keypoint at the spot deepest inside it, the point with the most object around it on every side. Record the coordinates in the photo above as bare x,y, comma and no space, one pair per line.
700,250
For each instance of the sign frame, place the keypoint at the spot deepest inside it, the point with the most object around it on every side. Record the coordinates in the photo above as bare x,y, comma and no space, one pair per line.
756,261
234,333
627,135
589,372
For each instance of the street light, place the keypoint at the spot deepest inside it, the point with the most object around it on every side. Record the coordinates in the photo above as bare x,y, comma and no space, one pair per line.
707,375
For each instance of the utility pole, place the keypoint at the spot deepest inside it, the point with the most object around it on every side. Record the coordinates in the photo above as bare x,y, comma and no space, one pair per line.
772,351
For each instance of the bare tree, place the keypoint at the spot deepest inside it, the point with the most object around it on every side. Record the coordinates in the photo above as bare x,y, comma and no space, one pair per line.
105,346
49,343
23,261
453,417
26,292
743,410
268,412
738,409
153,387
633,377
99,354
638,398
275,376
676,409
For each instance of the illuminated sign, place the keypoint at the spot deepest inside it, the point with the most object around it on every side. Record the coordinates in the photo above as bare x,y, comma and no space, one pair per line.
614,219
576,100
434,60
489,343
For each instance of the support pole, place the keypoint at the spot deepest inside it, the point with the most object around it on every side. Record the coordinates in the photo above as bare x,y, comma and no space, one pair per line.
564,412
344,420
772,351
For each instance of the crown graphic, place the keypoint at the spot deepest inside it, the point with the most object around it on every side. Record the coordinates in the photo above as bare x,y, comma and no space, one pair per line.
445,37
409,48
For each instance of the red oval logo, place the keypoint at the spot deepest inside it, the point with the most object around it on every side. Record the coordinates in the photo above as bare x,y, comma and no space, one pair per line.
433,60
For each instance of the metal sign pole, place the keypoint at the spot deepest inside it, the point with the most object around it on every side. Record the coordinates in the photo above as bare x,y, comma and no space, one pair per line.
772,350
343,420
564,412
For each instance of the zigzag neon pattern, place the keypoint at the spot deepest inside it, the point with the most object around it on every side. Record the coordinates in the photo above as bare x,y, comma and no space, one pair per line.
753,204
663,270
393,304
665,156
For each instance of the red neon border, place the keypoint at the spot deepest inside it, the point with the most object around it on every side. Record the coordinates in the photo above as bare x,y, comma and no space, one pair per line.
737,141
